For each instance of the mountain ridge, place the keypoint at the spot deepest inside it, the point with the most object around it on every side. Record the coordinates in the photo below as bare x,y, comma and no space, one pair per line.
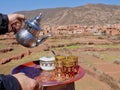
90,14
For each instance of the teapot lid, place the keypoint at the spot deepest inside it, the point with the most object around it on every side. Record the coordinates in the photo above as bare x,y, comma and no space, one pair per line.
33,25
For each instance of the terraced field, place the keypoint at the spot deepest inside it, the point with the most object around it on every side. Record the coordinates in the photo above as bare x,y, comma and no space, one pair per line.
100,58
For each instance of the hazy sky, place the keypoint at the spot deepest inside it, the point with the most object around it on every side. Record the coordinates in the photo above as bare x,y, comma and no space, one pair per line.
10,6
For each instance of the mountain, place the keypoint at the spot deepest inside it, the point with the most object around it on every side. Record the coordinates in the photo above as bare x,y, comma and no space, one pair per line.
90,14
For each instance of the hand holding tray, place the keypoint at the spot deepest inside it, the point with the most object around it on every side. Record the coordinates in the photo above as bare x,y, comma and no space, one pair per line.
33,70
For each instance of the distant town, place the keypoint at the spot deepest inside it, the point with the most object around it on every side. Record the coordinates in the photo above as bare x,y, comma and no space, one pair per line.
79,29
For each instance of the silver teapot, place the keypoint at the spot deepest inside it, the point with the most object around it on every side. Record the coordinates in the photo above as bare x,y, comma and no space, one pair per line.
29,35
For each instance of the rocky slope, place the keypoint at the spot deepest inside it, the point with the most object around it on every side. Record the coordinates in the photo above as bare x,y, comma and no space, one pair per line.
90,14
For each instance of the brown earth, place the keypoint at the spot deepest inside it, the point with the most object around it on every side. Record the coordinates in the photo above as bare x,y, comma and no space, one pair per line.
99,73
111,69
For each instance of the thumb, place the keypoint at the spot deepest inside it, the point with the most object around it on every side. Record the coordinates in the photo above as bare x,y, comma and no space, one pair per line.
39,86
20,16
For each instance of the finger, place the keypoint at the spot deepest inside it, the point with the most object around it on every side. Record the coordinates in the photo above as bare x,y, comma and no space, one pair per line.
38,86
16,25
16,21
22,73
20,16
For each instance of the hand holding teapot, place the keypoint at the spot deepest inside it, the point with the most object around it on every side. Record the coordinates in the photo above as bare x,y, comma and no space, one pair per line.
29,35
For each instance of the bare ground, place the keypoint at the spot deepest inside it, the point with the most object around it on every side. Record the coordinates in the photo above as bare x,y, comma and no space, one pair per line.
100,71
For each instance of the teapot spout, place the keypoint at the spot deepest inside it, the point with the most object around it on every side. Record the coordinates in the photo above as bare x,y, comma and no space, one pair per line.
42,39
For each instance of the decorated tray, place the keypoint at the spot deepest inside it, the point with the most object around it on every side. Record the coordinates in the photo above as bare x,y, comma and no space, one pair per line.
33,70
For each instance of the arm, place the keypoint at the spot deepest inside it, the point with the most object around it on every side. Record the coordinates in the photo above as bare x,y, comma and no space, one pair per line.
3,24
9,82
10,22
17,81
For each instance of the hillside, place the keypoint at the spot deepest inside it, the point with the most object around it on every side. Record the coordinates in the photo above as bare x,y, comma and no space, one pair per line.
90,14
97,47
